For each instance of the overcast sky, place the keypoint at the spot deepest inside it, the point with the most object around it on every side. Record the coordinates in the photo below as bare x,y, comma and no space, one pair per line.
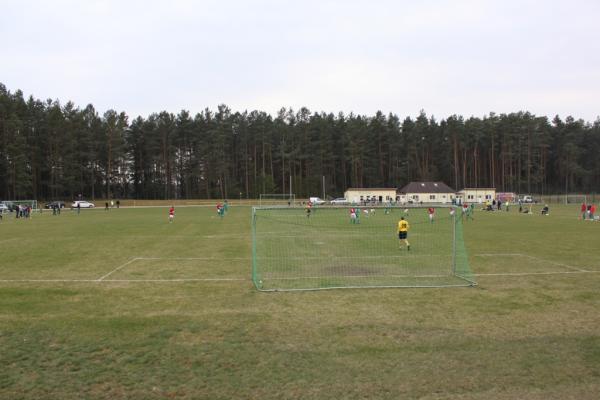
446,57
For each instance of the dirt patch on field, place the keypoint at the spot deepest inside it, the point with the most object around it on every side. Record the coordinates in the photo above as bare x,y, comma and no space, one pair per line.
349,270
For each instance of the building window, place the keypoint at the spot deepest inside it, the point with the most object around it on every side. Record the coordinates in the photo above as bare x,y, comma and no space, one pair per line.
470,197
488,196
432,197
361,198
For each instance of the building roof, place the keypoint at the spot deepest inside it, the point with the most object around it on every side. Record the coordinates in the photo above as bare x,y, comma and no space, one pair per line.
371,189
427,187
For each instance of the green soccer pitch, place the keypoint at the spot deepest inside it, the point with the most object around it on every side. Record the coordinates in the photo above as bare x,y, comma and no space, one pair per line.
122,304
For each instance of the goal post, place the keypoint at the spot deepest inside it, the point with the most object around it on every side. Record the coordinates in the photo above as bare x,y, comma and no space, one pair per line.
29,203
293,249
575,198
273,199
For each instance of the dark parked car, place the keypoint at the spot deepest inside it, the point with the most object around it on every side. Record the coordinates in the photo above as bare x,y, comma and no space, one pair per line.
52,204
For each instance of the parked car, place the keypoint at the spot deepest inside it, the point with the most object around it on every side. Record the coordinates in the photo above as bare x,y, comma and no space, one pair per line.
82,204
527,199
339,201
316,201
4,208
52,204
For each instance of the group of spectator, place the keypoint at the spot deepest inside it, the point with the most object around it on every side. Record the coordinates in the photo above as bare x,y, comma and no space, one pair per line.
22,211
495,205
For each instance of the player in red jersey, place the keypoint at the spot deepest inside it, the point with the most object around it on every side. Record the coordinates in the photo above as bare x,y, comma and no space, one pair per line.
431,212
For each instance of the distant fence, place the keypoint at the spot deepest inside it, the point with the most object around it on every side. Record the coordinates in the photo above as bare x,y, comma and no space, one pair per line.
571,198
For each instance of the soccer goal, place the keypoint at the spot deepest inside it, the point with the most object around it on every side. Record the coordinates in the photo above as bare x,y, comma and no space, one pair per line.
297,250
575,198
271,199
12,204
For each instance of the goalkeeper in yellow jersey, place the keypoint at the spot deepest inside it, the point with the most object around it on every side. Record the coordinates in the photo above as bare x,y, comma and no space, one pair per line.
403,228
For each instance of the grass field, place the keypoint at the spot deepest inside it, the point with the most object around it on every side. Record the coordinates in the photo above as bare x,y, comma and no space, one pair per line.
121,304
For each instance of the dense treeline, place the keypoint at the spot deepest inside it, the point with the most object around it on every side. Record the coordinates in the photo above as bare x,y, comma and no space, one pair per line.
52,151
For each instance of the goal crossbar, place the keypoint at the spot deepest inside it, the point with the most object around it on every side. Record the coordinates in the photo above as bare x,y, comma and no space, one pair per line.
302,248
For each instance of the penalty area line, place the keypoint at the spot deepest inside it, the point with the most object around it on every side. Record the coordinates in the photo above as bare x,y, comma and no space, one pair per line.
194,258
539,273
116,269
122,280
533,258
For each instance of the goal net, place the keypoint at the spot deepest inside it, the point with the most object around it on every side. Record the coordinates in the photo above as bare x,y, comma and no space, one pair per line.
297,250
575,199
12,204
269,199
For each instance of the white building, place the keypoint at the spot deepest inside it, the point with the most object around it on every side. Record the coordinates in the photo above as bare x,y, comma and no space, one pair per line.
378,195
426,192
476,195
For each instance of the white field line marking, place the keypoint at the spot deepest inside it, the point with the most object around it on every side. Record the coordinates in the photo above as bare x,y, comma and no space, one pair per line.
356,276
48,280
498,255
434,276
556,263
121,280
355,258
195,258
180,280
539,273
532,257
288,258
118,268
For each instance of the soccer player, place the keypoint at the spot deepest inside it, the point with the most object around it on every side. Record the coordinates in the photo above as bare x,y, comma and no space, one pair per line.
431,212
470,210
220,210
583,210
171,214
403,228
352,216
225,206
